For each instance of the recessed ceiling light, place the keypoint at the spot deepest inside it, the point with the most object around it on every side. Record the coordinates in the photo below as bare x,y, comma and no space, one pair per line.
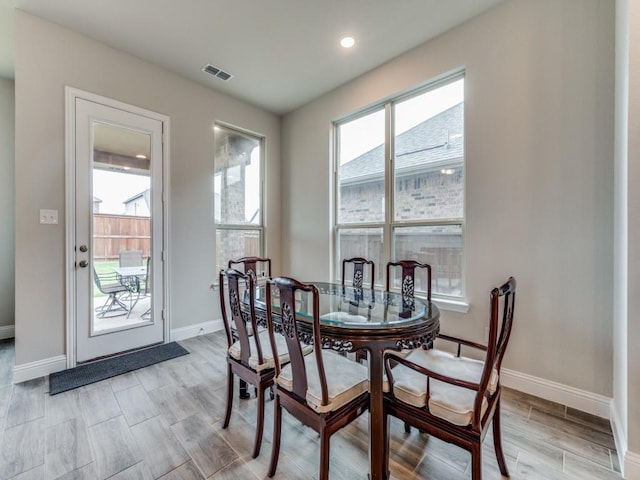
141,156
447,171
347,42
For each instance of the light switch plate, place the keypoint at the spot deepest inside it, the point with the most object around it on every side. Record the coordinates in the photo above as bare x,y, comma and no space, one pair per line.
49,217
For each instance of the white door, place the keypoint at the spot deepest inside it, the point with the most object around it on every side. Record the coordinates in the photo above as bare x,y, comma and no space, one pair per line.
118,235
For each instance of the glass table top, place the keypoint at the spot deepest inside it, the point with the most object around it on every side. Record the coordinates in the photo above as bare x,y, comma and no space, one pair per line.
357,308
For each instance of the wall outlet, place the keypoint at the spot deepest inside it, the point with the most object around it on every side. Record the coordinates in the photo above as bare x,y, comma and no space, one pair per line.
49,217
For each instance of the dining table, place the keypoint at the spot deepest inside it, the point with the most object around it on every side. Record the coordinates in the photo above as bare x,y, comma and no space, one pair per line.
352,319
137,271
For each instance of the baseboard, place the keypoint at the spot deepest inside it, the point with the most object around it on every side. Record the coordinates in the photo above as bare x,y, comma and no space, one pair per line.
183,333
8,331
582,400
41,368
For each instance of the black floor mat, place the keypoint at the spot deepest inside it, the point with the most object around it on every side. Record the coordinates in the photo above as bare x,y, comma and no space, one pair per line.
94,372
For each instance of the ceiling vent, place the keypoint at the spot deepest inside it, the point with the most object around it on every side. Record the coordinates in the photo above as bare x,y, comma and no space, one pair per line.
216,72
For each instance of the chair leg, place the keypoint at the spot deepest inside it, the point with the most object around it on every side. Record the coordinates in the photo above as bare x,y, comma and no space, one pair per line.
275,447
497,441
476,461
325,440
111,305
227,415
260,423
407,428
133,303
385,424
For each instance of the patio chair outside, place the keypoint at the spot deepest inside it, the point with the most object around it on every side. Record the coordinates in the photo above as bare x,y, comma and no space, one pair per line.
130,258
110,285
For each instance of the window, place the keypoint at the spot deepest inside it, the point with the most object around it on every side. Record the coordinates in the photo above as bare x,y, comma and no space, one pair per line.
237,195
400,185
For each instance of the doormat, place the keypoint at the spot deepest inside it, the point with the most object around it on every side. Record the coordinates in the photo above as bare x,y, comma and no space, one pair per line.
94,372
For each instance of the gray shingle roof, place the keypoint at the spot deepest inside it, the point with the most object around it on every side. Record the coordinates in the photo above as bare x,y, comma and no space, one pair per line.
438,140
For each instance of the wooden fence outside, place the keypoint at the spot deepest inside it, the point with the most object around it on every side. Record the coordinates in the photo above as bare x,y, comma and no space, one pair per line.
112,233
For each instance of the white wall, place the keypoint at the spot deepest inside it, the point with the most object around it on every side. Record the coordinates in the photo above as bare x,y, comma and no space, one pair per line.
539,172
48,57
632,334
7,272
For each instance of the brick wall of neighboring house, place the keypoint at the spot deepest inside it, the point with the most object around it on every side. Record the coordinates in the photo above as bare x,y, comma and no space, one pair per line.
426,195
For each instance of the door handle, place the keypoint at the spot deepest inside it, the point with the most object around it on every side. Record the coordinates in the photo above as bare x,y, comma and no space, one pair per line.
83,263
83,248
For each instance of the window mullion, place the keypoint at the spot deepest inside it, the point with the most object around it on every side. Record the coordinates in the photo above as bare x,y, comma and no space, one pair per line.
389,187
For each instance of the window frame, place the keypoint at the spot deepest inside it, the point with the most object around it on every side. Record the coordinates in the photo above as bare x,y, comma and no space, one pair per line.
390,223
259,227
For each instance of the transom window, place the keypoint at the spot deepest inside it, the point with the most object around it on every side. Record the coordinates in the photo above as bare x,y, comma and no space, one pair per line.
237,195
400,185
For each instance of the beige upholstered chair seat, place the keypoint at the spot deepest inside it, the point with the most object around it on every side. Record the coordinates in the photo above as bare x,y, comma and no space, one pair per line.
267,354
346,380
249,328
449,402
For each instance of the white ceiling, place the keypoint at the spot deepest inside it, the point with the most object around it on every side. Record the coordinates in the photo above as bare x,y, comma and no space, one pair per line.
282,53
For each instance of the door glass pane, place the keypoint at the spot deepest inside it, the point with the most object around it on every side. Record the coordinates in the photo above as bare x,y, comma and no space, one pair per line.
237,182
361,242
234,244
429,155
361,169
121,186
439,246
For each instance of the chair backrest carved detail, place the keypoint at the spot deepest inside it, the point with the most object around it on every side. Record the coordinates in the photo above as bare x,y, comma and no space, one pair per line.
358,271
250,265
239,319
407,283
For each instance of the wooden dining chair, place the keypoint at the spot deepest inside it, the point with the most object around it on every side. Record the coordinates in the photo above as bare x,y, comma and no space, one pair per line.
248,357
408,278
358,271
408,294
303,387
252,263
451,396
357,283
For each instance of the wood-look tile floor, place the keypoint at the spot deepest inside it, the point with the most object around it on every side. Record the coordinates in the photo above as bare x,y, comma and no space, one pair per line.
164,421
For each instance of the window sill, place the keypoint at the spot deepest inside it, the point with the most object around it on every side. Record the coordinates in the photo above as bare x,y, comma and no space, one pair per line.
460,306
